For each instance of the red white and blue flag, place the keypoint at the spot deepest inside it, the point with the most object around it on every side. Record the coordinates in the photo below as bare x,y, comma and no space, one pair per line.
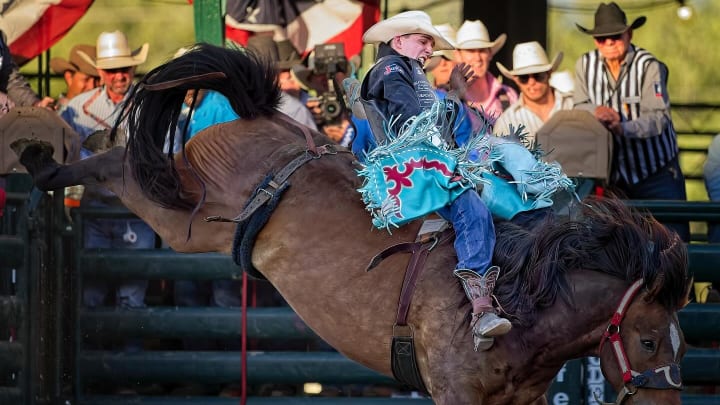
33,26
304,22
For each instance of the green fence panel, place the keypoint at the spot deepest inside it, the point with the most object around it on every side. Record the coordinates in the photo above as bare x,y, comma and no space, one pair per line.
666,210
157,264
701,367
705,262
198,322
701,399
700,322
224,367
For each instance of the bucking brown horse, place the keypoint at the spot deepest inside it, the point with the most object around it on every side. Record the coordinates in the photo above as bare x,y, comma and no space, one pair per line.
605,281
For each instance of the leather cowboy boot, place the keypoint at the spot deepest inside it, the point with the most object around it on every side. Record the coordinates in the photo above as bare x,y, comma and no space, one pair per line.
485,323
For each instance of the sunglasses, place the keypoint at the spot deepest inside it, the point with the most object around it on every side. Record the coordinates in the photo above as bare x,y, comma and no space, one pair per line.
614,37
118,70
539,77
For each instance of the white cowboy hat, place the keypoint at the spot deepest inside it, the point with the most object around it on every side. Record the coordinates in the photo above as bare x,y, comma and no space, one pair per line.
113,51
448,32
409,22
529,57
474,35
562,81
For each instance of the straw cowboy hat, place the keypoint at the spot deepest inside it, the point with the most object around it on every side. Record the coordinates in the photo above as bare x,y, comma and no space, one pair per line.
282,53
75,62
113,51
447,31
529,57
611,20
474,35
408,22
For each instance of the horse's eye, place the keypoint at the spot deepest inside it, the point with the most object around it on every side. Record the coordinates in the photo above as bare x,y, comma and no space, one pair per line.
648,345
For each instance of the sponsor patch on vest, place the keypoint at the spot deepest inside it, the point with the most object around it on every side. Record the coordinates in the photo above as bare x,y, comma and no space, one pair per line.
658,89
393,68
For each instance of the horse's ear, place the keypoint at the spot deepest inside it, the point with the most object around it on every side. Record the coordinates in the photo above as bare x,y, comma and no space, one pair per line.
654,289
686,296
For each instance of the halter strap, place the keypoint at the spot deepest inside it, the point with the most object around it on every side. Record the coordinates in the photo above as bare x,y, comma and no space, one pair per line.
661,377
612,333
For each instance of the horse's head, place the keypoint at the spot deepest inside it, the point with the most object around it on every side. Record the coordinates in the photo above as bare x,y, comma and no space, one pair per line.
641,349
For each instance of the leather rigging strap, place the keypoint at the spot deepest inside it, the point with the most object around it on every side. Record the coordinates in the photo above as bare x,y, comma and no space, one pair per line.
403,357
277,182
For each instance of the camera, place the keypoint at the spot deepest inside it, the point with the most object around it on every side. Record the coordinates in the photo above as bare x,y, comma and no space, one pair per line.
330,107
329,60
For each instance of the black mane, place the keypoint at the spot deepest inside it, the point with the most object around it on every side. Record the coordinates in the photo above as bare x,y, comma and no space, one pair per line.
606,237
249,83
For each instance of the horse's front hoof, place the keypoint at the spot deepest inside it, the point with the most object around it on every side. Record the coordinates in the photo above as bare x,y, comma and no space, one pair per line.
31,148
37,157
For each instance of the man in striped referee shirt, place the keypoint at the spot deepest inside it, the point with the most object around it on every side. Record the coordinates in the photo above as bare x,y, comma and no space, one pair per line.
625,87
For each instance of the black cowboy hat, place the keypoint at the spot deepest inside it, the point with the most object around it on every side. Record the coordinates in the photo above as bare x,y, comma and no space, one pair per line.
611,20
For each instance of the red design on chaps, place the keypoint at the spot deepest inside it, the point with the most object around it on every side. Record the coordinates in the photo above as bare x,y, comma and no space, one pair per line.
402,178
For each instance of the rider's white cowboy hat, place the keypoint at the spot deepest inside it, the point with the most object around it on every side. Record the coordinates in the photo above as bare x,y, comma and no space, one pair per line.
529,57
474,35
448,32
408,22
113,51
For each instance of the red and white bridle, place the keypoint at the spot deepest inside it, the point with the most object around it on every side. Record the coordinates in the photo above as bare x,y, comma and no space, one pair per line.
661,377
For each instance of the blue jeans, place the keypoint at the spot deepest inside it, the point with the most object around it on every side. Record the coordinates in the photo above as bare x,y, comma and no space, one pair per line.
474,231
667,184
117,233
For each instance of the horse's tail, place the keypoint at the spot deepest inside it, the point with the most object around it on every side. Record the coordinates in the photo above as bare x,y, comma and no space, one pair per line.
153,110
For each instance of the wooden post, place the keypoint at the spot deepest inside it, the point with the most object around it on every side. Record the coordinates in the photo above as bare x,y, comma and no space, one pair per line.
209,22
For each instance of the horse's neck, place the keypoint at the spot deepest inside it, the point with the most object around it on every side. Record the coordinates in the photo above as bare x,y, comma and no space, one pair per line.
574,329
